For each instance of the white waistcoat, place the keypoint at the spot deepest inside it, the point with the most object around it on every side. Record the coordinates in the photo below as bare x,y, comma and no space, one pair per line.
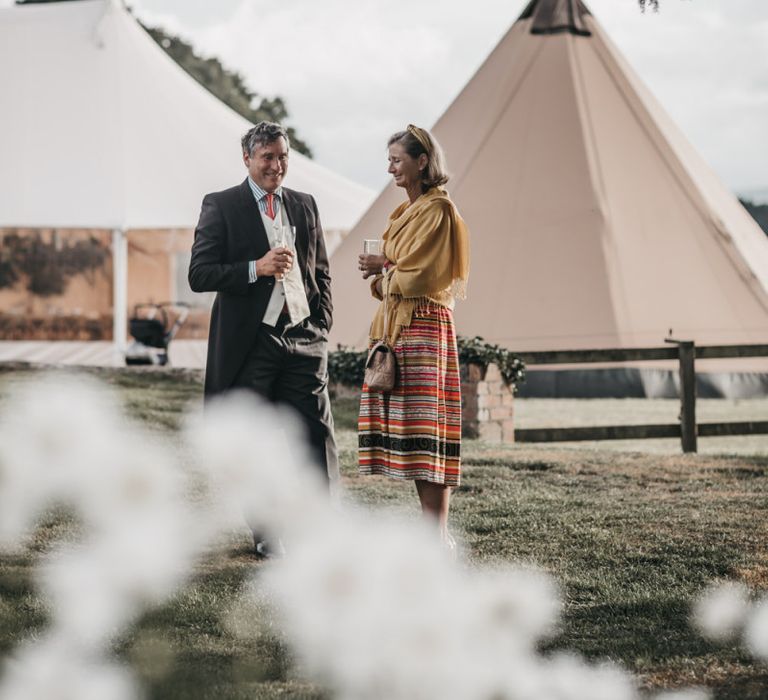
289,290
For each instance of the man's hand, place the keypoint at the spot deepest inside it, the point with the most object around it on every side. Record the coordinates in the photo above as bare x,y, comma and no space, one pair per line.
275,263
371,264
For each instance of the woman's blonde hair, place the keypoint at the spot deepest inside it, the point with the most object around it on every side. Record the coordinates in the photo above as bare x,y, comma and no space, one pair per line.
416,141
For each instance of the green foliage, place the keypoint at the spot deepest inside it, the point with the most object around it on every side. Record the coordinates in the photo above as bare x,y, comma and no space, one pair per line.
346,410
347,366
47,265
759,213
477,351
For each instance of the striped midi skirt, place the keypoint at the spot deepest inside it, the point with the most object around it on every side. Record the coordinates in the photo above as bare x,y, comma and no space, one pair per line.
414,432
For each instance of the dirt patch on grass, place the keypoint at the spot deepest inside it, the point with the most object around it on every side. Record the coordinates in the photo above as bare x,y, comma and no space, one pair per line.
756,576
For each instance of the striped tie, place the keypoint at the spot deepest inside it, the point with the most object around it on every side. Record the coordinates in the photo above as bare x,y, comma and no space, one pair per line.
270,205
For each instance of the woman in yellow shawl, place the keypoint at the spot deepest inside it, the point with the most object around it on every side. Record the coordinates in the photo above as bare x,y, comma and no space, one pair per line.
414,431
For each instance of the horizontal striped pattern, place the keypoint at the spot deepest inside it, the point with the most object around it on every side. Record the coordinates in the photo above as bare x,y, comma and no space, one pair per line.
414,432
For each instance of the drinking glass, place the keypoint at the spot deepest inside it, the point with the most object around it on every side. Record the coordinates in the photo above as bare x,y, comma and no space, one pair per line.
285,238
371,246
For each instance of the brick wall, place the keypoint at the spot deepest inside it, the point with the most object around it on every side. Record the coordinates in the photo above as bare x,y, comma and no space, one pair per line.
487,404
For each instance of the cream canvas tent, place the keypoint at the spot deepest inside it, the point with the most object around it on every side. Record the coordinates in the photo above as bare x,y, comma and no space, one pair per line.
594,222
101,129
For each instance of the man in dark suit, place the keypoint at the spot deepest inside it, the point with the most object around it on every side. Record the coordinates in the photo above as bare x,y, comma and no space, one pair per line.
272,313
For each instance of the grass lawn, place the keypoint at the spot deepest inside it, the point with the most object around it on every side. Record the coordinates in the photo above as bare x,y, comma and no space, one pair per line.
632,537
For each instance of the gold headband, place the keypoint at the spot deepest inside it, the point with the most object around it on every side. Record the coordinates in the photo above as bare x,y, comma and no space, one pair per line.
420,135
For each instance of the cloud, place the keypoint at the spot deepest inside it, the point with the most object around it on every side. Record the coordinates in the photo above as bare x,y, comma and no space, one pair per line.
706,62
353,72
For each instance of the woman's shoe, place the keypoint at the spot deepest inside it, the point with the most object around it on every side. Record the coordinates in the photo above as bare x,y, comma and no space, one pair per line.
450,546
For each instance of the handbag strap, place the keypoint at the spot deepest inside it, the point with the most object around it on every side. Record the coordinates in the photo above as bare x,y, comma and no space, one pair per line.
385,294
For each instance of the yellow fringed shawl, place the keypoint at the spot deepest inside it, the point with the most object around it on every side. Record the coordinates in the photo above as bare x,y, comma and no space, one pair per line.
428,242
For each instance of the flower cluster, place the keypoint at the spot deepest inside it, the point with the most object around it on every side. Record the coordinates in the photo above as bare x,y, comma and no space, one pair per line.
726,611
66,442
371,605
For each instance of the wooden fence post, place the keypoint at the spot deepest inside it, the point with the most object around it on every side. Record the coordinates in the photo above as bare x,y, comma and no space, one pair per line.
687,428
688,432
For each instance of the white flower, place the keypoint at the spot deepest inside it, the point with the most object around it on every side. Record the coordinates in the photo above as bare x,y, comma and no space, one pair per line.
65,441
51,671
756,630
721,609
567,677
514,602
54,434
368,604
687,694
371,604
256,458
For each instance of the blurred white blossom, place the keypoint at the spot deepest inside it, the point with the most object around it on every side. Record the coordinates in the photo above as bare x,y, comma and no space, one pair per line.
568,677
65,441
52,670
56,438
255,459
376,609
725,610
372,605
720,611
756,631
688,694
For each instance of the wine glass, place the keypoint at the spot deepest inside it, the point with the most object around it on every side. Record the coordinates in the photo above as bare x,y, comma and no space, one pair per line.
371,246
285,237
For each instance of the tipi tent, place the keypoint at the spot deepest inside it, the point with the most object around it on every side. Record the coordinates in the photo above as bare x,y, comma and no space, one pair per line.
101,129
594,222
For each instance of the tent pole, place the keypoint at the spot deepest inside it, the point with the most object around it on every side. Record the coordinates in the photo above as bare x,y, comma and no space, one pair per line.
119,293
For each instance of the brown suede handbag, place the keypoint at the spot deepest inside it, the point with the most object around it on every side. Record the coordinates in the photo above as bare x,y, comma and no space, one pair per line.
381,365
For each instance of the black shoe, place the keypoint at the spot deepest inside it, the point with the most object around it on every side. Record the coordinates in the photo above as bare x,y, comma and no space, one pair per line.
270,550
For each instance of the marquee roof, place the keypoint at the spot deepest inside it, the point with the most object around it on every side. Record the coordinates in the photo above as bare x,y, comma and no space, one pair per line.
101,129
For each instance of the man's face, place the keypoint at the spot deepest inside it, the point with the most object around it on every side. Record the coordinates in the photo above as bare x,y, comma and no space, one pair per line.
267,165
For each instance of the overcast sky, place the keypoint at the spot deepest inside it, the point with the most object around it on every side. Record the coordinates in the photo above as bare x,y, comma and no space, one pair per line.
354,71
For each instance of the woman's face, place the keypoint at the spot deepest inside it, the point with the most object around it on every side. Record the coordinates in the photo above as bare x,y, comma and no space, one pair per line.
404,169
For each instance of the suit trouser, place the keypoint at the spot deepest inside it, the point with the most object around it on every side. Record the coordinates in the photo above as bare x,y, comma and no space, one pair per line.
290,366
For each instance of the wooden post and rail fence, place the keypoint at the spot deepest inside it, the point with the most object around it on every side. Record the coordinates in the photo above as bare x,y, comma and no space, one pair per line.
688,430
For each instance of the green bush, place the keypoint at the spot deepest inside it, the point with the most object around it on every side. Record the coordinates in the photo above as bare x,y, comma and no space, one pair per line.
346,366
477,351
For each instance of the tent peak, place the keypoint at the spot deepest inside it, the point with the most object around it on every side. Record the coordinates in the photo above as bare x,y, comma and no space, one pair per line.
556,16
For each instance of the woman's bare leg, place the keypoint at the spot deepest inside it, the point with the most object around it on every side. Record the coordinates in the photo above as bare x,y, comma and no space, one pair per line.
435,501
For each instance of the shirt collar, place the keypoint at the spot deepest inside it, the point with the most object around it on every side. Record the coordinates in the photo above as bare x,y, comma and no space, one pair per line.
260,193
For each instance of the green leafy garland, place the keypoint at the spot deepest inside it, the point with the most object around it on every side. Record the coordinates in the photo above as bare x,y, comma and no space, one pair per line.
477,351
347,366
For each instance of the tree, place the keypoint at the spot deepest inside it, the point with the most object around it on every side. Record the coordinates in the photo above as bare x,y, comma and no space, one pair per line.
228,86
